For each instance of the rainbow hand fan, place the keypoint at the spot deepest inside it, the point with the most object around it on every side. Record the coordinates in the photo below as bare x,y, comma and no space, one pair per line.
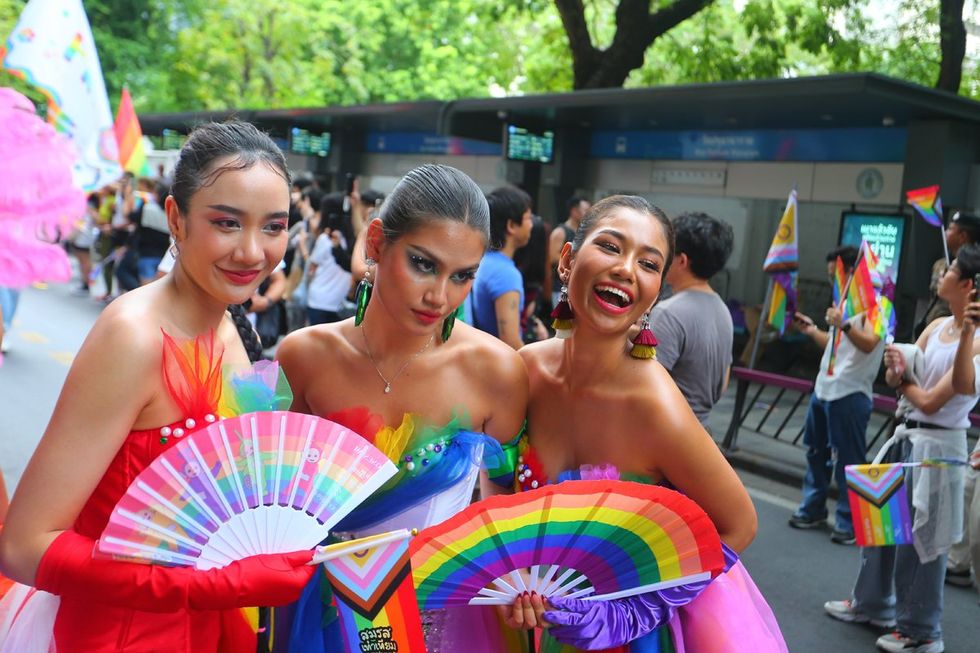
579,539
263,482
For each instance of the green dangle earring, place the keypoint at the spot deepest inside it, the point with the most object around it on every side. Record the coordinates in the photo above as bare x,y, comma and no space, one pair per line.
449,323
363,293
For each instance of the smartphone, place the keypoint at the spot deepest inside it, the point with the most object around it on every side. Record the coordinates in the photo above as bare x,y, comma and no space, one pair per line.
976,285
348,190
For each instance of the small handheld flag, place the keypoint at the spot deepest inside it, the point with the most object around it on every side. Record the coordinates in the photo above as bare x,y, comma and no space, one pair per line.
372,582
927,203
782,262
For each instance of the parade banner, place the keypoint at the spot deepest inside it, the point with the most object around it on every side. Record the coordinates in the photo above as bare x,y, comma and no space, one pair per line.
372,583
52,48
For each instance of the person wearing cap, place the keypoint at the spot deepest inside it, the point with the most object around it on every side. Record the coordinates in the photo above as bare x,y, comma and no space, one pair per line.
963,229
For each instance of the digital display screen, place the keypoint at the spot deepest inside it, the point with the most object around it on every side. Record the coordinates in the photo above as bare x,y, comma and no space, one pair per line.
302,141
524,145
169,139
884,233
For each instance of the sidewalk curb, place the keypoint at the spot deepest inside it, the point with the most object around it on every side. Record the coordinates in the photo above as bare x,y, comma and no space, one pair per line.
771,469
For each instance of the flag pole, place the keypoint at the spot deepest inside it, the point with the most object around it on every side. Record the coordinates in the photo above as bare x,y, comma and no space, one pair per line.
942,235
762,322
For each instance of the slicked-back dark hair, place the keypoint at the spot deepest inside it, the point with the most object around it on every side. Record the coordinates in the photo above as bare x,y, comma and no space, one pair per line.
434,192
707,241
605,206
240,141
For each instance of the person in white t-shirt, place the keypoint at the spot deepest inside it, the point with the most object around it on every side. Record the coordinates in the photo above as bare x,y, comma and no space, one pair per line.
840,408
328,269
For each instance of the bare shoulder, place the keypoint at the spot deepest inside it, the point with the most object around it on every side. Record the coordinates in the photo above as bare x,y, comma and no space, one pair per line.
486,357
539,355
653,395
128,326
308,347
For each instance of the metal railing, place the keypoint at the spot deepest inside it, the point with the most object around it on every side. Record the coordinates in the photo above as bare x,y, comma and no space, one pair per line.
782,398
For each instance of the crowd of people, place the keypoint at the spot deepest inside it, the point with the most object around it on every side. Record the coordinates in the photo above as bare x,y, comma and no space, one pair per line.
430,311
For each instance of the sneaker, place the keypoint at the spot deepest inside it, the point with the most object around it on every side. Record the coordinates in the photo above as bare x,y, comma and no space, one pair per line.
842,537
898,643
845,611
806,522
959,578
79,291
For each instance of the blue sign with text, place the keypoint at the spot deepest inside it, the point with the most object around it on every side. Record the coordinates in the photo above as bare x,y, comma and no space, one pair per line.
879,144
427,143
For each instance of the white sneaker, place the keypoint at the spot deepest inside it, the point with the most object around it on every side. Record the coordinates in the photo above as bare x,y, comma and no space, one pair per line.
898,643
845,611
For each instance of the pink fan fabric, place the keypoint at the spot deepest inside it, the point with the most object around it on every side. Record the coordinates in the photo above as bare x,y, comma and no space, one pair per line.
38,196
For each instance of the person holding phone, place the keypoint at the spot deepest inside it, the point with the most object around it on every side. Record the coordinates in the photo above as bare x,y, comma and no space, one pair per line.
935,377
839,410
964,557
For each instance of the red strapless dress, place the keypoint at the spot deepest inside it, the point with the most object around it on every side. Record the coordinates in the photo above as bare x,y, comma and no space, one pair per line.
192,372
83,627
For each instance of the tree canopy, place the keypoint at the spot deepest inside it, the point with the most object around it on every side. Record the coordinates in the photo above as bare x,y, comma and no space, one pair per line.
180,55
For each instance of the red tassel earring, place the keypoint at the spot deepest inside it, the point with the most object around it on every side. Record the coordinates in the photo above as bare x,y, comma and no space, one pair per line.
645,343
562,316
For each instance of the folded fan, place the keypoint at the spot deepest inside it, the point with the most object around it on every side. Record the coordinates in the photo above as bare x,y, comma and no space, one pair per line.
590,539
262,482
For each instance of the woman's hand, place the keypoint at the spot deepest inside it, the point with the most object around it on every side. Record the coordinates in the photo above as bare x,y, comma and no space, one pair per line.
526,612
971,319
894,360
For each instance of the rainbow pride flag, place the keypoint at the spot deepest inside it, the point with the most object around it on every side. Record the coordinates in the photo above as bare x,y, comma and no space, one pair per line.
372,583
879,504
927,203
782,304
783,254
840,280
129,136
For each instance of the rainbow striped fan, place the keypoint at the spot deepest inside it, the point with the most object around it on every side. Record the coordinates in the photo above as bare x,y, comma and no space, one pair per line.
263,482
579,539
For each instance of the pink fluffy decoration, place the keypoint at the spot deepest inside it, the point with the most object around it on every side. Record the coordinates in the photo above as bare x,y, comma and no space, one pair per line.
37,194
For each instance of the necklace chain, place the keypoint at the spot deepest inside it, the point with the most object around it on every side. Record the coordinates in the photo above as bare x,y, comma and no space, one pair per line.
400,369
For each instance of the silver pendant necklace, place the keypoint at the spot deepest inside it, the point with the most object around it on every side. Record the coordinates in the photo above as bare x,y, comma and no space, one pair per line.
401,369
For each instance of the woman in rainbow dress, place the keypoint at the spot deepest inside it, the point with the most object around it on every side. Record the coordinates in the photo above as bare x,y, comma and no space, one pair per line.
128,398
437,396
600,408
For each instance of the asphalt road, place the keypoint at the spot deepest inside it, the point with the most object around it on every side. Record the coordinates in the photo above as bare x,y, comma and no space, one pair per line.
796,570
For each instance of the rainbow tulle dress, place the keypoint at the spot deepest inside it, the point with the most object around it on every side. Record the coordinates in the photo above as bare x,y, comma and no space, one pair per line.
729,616
438,469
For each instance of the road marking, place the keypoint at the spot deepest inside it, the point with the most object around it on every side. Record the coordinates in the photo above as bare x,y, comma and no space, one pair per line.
64,357
33,336
771,498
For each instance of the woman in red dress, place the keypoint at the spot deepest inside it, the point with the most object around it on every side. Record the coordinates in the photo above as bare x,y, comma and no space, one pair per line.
122,406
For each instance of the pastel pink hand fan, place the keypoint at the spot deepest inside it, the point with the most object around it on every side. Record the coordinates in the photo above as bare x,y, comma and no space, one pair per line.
262,482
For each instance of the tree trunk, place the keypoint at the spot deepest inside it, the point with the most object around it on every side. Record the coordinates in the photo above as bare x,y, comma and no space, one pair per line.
636,29
952,42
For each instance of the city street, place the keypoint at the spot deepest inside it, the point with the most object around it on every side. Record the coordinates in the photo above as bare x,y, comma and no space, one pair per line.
796,570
